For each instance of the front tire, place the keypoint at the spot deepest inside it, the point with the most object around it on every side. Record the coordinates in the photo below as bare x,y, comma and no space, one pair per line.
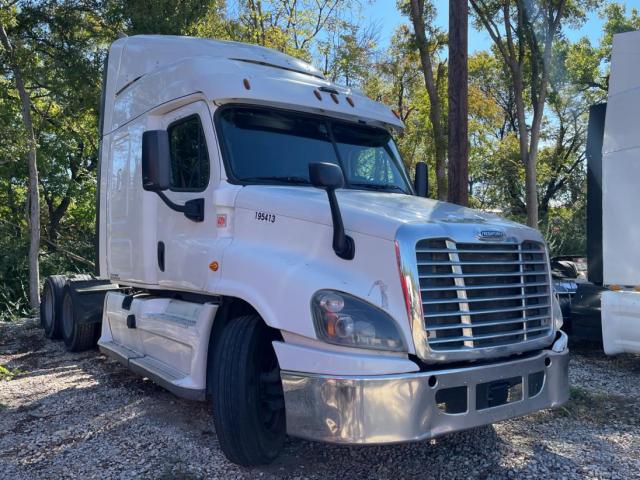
77,336
248,403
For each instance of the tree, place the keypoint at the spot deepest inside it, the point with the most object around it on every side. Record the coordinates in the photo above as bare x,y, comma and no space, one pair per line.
589,67
70,40
11,58
162,17
524,40
422,17
345,52
458,103
496,169
323,32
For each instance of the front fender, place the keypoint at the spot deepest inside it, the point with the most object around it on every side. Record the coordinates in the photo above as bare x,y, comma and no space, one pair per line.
277,267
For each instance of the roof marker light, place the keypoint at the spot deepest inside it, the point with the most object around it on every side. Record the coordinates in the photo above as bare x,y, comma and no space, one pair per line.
246,84
317,94
350,101
334,97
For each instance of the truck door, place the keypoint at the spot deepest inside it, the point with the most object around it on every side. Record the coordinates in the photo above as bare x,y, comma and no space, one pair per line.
185,247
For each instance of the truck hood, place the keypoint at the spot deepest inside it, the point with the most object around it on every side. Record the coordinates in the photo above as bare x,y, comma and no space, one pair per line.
366,212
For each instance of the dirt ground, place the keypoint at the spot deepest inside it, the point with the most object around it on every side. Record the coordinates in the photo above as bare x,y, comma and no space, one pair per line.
65,415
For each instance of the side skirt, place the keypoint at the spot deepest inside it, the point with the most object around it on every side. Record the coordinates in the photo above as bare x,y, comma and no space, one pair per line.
142,366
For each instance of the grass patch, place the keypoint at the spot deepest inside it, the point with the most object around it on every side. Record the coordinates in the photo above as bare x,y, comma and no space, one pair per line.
3,407
597,407
9,373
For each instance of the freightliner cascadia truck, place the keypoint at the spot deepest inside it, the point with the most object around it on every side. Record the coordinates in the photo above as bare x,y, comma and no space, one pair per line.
261,246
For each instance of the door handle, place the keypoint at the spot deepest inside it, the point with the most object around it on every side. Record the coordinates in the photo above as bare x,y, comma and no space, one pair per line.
161,256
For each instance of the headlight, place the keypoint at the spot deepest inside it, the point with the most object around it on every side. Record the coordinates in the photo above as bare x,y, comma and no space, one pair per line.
342,319
556,312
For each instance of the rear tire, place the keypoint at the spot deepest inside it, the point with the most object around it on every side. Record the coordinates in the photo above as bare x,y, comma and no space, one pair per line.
77,336
51,306
248,403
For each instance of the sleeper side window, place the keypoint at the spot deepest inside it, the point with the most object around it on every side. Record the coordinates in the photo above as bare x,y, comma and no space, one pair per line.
189,155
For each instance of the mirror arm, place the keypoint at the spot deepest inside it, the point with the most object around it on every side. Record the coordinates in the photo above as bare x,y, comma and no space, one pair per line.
192,209
343,244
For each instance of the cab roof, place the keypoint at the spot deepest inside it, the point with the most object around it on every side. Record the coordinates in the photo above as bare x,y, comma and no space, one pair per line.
145,71
142,54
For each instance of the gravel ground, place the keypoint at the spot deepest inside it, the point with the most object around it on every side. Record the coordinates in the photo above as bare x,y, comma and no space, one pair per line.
66,415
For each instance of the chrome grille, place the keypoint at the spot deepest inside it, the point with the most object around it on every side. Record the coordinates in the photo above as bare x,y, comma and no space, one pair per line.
478,295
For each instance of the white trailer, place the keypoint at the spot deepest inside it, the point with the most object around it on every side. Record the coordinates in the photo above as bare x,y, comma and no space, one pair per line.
620,308
262,246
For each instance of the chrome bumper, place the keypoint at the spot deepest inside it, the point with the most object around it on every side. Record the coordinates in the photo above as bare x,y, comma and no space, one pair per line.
408,407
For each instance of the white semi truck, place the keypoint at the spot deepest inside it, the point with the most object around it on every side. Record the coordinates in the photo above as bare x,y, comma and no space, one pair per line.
616,193
261,245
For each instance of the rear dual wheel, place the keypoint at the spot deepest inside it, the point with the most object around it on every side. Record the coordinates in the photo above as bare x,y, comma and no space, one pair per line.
248,402
51,305
77,336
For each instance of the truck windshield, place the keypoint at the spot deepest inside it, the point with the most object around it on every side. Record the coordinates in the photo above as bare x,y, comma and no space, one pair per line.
266,146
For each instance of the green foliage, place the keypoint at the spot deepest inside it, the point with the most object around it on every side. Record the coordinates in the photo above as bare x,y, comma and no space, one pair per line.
617,21
7,374
162,17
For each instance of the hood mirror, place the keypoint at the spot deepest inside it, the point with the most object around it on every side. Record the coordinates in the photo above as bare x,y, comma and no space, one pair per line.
421,180
326,175
329,177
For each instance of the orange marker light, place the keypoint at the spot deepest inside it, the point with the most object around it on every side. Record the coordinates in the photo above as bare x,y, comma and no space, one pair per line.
317,94
213,266
331,324
615,288
350,101
334,97
246,84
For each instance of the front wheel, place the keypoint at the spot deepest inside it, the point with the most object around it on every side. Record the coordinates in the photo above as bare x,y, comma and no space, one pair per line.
248,403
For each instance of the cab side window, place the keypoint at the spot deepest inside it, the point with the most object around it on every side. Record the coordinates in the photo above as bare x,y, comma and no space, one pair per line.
189,155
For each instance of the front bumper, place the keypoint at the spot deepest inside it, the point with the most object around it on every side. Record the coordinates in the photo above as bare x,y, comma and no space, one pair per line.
416,406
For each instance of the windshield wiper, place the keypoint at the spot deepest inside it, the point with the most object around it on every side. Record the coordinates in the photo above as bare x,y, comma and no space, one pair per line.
283,179
378,186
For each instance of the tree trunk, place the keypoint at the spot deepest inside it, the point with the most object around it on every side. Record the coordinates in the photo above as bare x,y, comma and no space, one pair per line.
55,217
531,184
531,192
458,103
435,109
34,199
